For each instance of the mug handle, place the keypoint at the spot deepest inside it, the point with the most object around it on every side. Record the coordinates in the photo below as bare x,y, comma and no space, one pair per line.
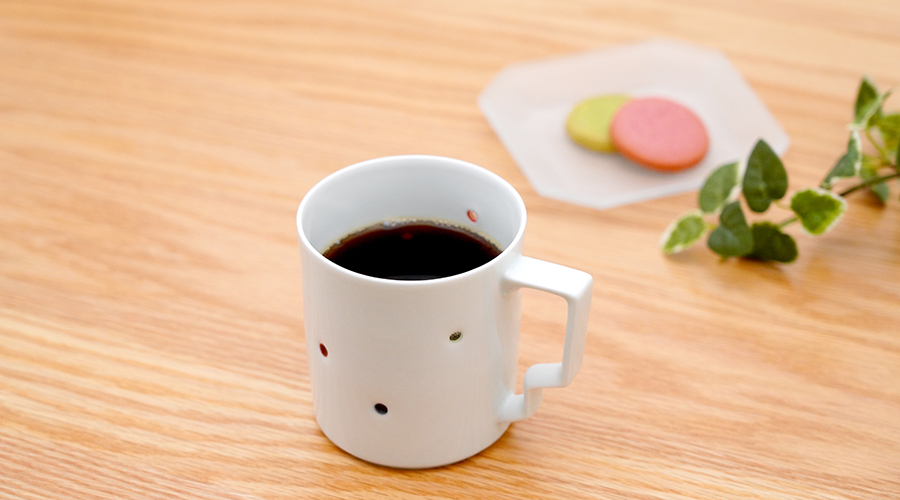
572,285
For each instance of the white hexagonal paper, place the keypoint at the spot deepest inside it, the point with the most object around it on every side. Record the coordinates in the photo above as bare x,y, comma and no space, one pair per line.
527,105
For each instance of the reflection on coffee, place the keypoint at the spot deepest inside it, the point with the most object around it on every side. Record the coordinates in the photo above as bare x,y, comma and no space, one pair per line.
412,250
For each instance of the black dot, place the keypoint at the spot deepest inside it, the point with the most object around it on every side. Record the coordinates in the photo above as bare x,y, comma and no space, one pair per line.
381,409
323,349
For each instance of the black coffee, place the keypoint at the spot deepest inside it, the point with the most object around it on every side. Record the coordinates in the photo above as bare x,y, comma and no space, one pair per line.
412,250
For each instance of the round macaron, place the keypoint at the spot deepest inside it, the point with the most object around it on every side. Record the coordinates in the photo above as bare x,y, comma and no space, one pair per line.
588,122
659,134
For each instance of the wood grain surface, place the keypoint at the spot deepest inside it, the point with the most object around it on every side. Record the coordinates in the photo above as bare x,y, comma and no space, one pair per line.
153,154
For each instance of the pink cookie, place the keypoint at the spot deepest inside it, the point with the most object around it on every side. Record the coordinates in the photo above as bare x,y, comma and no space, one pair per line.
659,134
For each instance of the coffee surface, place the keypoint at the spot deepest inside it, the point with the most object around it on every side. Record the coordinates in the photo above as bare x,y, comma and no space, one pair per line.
412,250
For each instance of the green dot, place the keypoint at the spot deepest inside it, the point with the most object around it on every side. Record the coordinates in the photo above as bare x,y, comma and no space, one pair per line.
588,122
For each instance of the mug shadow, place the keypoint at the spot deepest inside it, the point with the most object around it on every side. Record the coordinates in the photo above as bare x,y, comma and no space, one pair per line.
504,442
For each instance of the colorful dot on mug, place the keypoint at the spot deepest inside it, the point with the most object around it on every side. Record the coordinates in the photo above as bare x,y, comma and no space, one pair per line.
323,350
455,336
472,215
381,409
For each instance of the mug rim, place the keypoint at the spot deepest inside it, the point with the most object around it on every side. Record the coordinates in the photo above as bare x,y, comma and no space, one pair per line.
375,163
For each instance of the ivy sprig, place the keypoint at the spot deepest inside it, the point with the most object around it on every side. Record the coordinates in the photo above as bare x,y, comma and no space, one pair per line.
762,181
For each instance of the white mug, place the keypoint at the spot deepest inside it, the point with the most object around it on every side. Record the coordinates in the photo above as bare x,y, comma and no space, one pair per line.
416,374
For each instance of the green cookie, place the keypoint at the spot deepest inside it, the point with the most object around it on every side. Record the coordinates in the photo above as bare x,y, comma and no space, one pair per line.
588,123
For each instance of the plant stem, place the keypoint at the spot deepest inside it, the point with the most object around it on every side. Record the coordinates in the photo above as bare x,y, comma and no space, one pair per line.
870,182
883,152
787,222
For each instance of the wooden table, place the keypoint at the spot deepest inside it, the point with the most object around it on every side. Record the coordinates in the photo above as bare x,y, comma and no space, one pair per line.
152,156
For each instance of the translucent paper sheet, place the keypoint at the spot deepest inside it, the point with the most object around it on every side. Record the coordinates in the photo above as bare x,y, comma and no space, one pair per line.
527,105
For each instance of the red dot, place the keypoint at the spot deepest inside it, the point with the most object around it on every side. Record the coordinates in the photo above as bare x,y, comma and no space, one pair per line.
472,215
323,350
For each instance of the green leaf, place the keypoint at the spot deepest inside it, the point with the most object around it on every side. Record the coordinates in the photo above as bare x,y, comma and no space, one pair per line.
889,126
849,164
897,158
818,209
867,111
866,97
882,191
869,165
869,171
770,244
766,179
683,232
719,188
733,237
